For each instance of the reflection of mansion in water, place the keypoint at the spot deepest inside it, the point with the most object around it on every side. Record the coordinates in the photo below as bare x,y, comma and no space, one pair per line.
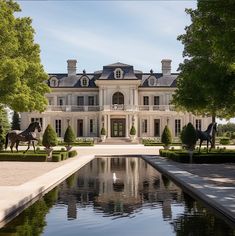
136,184
115,98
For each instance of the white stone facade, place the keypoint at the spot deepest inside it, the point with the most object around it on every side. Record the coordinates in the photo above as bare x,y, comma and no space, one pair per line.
115,98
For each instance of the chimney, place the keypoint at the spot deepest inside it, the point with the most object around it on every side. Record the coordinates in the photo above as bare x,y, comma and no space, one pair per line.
71,66
166,66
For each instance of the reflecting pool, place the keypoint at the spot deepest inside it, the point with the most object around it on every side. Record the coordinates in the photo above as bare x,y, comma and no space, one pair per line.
118,197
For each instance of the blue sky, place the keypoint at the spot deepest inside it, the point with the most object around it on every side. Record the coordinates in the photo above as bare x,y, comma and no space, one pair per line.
97,33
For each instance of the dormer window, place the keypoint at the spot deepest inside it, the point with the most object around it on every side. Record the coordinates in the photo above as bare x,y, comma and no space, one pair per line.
152,81
53,82
84,82
118,73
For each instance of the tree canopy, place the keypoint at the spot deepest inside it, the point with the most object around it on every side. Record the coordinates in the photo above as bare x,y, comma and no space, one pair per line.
206,83
21,73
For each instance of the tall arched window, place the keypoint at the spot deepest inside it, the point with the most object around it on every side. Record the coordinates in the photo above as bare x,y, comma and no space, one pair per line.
118,98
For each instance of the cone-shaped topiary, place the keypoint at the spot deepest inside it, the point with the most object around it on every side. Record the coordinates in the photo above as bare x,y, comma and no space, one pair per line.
2,138
103,131
133,130
15,124
69,136
182,135
166,136
190,136
49,138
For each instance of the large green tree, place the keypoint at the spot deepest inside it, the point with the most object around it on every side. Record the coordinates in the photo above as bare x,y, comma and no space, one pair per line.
21,73
206,83
4,126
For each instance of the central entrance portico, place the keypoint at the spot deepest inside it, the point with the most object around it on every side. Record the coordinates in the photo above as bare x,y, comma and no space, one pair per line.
118,127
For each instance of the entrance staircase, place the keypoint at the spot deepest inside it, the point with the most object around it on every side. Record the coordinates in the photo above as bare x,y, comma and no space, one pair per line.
118,141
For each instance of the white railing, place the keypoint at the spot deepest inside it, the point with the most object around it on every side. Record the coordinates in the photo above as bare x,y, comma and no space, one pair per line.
116,107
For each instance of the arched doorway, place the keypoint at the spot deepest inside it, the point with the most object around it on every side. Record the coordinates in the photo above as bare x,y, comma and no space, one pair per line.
118,98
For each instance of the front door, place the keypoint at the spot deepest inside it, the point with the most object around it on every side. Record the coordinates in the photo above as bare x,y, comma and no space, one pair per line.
117,127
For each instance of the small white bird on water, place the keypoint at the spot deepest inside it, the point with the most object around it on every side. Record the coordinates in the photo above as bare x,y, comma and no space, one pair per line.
114,177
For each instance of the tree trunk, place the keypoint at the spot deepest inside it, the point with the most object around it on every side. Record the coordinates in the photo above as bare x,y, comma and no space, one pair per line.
213,133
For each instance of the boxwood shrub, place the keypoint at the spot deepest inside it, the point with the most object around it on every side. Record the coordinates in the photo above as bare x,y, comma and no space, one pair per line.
225,141
72,153
31,157
215,156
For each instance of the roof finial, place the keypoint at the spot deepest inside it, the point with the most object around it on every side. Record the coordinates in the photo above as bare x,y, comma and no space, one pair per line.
84,71
151,71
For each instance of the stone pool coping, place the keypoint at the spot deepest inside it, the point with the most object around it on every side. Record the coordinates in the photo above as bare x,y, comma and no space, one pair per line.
218,198
14,199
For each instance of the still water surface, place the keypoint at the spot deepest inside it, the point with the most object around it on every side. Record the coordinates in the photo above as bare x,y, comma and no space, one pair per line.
118,197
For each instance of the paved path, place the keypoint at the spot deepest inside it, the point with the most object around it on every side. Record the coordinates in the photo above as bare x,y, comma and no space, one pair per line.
213,184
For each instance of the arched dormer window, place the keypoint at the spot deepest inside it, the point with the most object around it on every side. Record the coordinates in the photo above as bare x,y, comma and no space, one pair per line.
118,98
53,82
84,81
152,81
118,73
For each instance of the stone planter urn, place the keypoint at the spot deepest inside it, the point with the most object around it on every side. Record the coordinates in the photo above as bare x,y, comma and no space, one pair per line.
132,137
103,138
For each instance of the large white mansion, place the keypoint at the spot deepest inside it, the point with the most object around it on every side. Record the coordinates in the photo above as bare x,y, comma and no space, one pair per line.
115,98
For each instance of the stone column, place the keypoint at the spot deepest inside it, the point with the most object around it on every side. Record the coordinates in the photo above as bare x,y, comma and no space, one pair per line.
136,97
100,97
109,127
127,123
85,126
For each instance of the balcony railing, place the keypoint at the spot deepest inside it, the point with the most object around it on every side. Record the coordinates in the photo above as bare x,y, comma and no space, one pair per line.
116,107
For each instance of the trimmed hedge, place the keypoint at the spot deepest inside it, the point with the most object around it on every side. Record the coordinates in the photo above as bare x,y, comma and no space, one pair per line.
213,157
40,156
225,141
72,153
8,156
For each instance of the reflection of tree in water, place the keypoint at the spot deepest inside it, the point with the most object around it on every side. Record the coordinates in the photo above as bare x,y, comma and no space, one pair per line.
31,221
197,220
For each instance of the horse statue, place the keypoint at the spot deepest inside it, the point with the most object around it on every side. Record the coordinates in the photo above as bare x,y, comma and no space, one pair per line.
207,135
28,135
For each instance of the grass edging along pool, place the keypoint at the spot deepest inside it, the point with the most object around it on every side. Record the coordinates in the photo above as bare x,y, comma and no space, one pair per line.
214,197
14,199
40,156
220,156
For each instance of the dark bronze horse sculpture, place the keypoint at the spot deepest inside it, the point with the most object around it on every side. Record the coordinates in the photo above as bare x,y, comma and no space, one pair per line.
28,135
206,135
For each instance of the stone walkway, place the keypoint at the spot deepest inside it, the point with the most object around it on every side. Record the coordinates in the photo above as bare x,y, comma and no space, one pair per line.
214,184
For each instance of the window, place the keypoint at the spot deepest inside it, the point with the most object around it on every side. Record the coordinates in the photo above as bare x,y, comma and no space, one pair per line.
91,101
91,126
37,120
118,73
145,126
118,98
198,124
177,127
58,127
80,100
50,101
156,100
61,101
146,100
152,81
157,127
84,82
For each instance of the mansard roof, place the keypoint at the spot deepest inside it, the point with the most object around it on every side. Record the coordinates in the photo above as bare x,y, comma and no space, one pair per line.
107,73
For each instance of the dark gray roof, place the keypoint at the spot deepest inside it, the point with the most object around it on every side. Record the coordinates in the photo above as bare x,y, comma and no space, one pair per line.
108,74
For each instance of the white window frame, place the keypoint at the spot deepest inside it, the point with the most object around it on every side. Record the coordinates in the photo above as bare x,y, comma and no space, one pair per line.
82,82
178,127
58,127
198,124
118,73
